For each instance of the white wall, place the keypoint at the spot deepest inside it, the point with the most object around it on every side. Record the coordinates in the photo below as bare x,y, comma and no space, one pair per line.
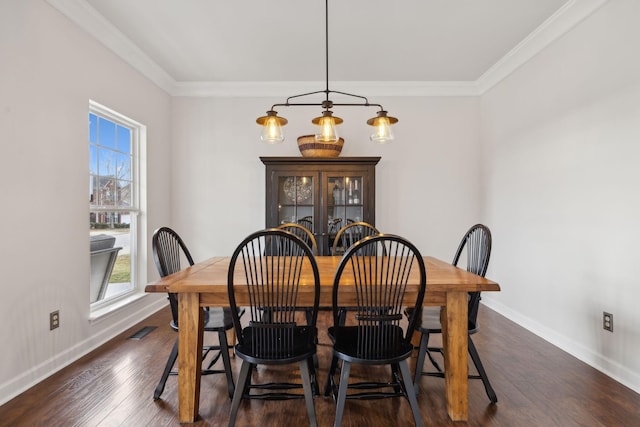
561,140
428,180
49,70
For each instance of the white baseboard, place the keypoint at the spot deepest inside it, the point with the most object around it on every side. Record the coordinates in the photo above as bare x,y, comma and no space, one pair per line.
602,363
33,376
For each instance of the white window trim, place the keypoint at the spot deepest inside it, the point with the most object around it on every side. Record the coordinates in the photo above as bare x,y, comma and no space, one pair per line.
138,218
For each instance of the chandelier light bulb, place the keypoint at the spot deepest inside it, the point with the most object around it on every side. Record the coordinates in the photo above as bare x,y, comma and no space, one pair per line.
271,127
327,132
327,127
382,132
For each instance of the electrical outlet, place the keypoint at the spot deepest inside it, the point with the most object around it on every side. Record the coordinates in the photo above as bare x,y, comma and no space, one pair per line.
607,321
54,320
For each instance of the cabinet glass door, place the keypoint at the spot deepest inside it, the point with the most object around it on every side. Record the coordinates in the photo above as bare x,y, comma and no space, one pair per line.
345,202
296,200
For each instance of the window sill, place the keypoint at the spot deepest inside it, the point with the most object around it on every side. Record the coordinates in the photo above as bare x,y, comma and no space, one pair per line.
101,312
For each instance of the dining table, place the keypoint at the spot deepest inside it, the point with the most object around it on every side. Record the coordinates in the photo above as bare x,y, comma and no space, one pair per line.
205,285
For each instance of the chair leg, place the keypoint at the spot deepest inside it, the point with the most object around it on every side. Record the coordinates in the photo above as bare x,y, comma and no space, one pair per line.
397,388
305,368
473,352
243,378
432,360
411,393
167,371
247,387
342,392
224,351
332,371
342,316
422,350
314,376
308,312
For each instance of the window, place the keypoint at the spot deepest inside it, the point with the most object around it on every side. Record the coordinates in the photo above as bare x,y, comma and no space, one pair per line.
114,205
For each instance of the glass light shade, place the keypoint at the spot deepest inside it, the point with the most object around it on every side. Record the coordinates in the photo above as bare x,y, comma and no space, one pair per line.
382,133
272,131
271,127
327,131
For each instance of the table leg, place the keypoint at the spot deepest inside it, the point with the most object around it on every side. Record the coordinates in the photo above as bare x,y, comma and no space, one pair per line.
455,344
191,321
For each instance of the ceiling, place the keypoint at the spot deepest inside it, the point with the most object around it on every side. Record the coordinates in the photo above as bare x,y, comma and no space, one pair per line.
217,42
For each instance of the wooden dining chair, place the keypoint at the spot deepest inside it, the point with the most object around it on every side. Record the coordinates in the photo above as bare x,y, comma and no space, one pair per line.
302,232
473,254
351,233
268,266
307,222
377,268
307,236
169,251
345,238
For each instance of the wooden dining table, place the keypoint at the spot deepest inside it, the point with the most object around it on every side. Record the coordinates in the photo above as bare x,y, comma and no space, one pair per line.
205,285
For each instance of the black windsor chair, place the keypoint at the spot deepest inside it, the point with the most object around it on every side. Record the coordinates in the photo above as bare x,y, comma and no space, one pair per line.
306,222
168,252
271,262
350,234
475,249
375,334
346,237
307,236
303,233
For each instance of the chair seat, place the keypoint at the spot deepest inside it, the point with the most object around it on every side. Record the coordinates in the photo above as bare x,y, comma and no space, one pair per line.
346,338
303,339
429,322
215,318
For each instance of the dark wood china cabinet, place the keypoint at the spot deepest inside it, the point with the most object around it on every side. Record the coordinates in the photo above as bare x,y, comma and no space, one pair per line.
323,194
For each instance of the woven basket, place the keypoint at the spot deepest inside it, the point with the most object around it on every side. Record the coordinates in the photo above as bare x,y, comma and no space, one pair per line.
310,148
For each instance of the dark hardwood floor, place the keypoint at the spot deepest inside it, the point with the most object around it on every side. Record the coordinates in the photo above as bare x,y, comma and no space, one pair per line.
536,383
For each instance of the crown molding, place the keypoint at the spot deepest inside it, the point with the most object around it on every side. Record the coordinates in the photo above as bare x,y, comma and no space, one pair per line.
85,16
277,89
568,16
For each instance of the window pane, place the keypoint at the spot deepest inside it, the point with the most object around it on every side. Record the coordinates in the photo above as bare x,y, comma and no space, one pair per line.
106,133
110,238
124,194
93,193
105,191
93,159
93,128
124,139
106,162
123,166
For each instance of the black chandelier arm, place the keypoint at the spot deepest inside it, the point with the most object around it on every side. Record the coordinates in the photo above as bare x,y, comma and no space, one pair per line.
303,94
366,101
287,103
318,104
327,92
367,104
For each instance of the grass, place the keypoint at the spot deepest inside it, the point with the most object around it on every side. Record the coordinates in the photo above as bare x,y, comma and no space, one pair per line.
121,270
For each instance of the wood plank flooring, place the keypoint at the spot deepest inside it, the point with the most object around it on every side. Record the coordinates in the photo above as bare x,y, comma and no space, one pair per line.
536,383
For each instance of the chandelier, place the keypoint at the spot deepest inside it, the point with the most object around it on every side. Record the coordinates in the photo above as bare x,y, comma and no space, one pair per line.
327,131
